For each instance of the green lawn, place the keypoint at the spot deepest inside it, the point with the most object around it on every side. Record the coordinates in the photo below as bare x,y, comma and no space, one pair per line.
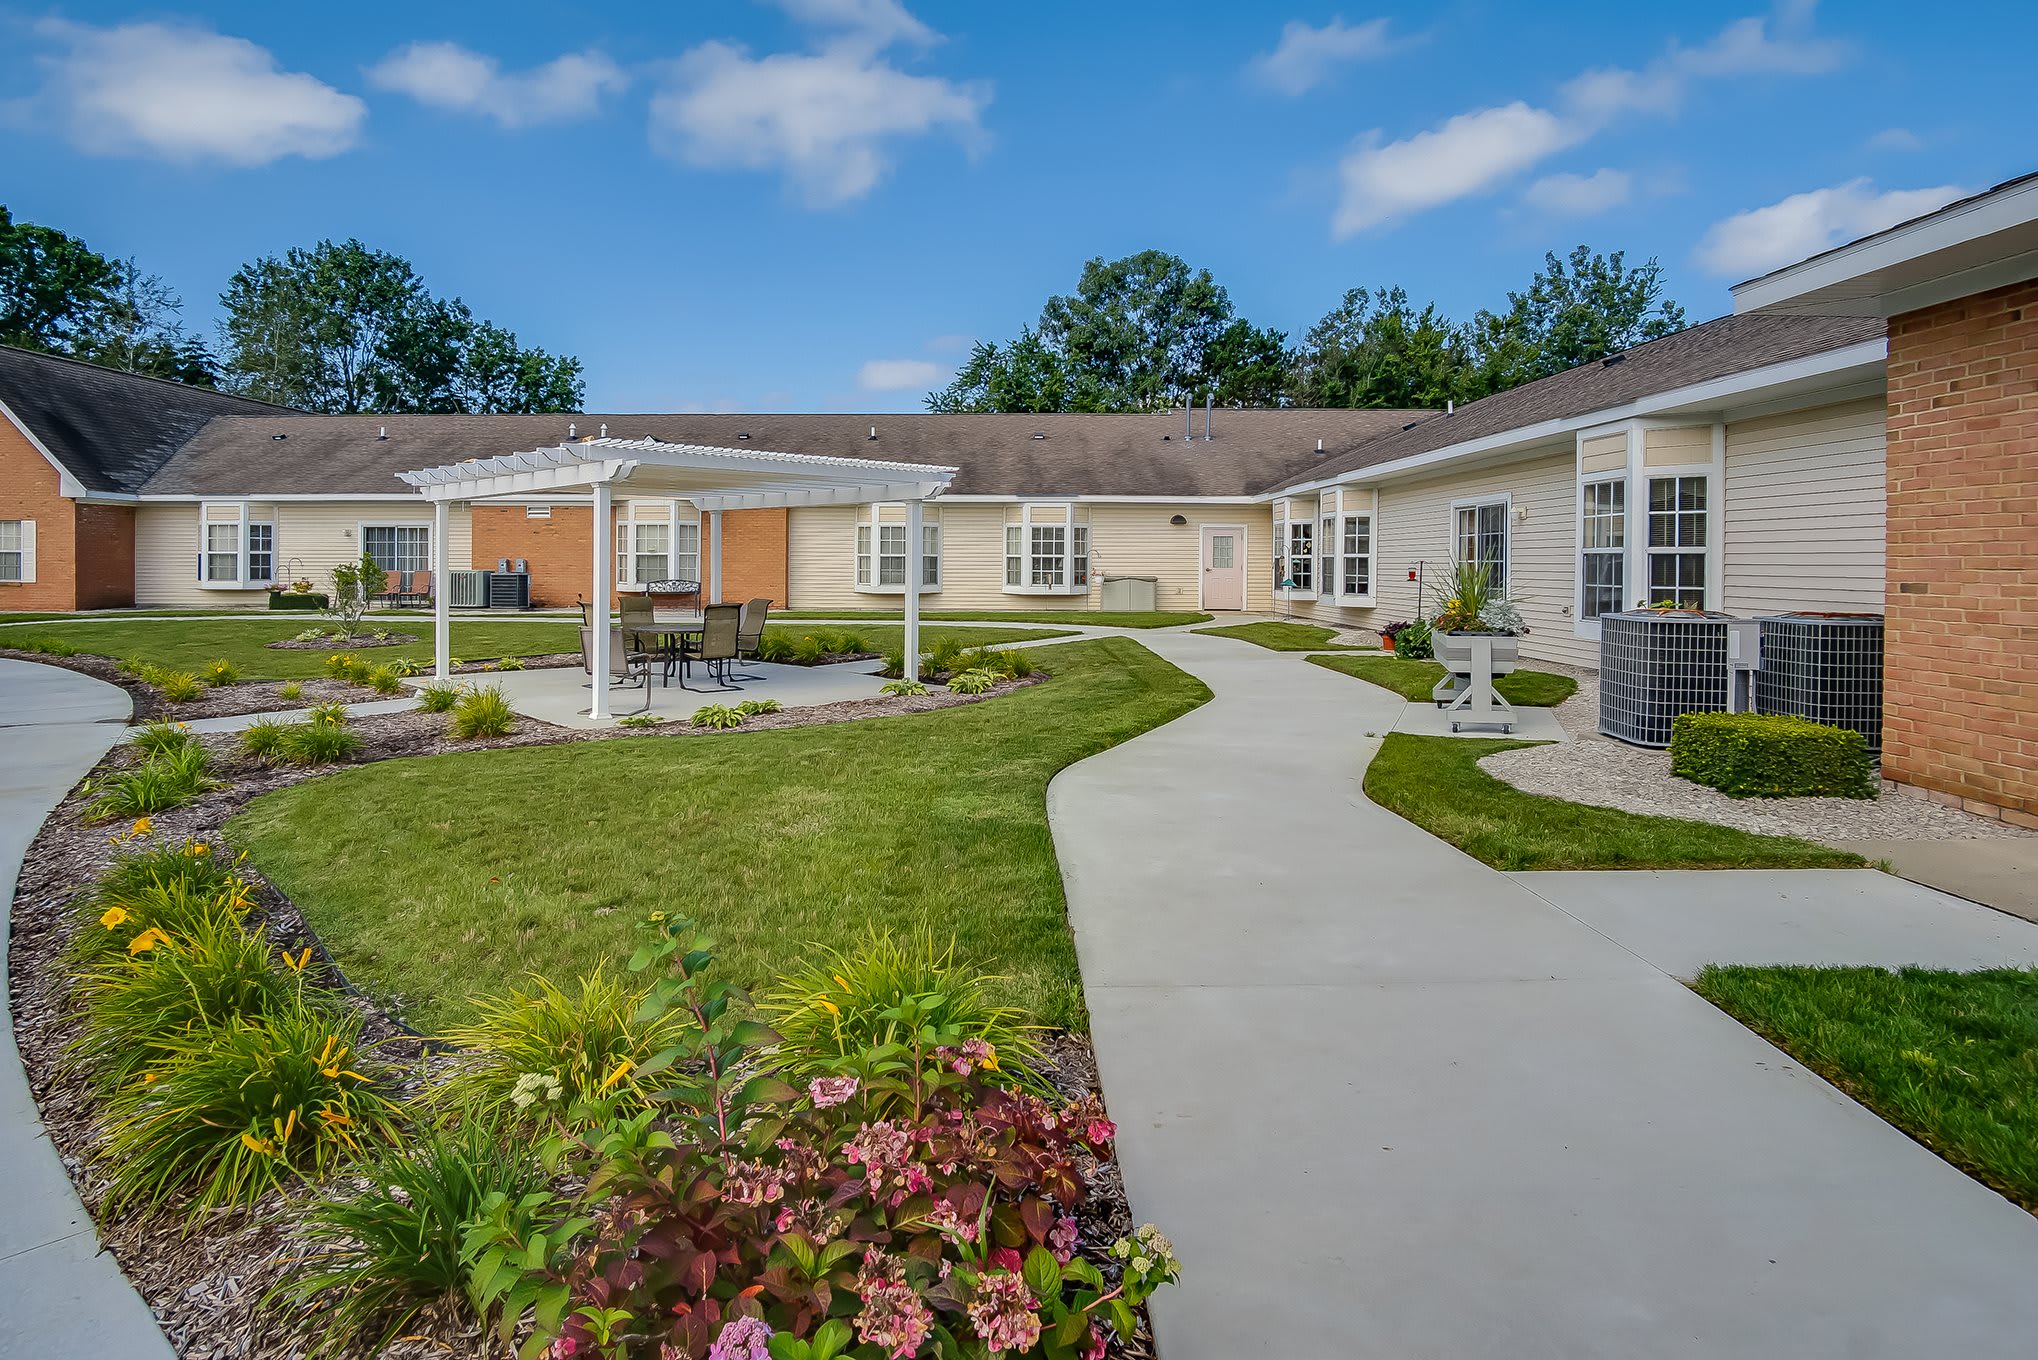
1281,637
1088,618
1949,1058
430,878
190,645
1436,783
1417,679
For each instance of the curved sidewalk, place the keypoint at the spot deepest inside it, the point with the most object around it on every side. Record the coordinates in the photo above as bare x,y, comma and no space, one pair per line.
58,1295
1390,1102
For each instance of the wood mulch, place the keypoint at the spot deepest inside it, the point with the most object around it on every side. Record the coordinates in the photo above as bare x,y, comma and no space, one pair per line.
357,643
205,1278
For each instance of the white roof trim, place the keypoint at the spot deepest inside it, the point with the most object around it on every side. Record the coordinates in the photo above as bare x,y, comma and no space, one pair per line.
1832,362
67,484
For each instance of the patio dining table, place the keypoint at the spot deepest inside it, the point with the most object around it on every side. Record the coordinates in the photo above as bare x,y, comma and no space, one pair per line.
670,626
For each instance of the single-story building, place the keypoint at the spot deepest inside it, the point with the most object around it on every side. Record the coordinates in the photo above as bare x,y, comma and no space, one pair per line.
1861,435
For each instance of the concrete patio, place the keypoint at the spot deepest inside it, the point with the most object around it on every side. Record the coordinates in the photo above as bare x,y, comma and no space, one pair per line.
560,694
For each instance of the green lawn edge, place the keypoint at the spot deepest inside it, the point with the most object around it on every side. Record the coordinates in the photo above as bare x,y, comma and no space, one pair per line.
1436,783
1416,680
1943,1056
485,866
1281,635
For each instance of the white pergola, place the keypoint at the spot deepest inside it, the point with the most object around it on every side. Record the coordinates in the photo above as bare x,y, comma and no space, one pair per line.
712,479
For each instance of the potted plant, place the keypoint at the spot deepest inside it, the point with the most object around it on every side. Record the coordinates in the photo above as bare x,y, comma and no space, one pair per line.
1388,633
1473,610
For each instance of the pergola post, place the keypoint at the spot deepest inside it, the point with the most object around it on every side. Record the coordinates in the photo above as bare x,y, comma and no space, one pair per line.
916,553
598,608
714,557
442,592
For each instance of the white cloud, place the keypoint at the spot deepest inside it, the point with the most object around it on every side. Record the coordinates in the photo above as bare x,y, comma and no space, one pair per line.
898,375
1762,239
1896,139
1386,181
1570,195
1469,154
446,75
1307,56
825,119
185,93
881,22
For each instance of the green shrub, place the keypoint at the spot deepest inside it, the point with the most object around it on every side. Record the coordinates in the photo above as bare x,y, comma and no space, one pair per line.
545,1052
383,680
945,656
158,784
332,714
438,698
640,720
222,672
160,738
318,743
720,717
178,687
208,972
292,691
902,687
387,1254
510,663
845,642
1770,755
131,665
171,889
43,646
481,713
750,707
774,647
809,651
339,665
1412,643
847,1001
263,738
971,682
1018,665
240,1108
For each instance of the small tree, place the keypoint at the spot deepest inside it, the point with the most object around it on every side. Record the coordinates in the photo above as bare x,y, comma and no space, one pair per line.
354,585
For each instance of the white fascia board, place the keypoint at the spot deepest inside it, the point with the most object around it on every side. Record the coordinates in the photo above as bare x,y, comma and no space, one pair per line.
282,497
1023,498
1944,230
1830,363
67,485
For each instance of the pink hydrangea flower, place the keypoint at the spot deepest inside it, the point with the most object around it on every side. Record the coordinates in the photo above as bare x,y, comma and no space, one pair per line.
893,1318
1002,1314
1063,1239
830,1091
744,1338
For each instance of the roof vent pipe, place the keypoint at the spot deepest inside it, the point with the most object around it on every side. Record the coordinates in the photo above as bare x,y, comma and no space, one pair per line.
1207,400
382,432
1319,446
873,432
1188,419
572,426
1451,406
604,429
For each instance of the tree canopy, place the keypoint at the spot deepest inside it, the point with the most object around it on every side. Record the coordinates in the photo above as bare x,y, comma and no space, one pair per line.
342,328
1147,332
59,295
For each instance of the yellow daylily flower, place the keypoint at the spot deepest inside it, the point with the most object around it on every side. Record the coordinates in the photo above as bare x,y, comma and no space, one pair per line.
622,1070
990,1062
261,1145
842,982
114,916
825,1004
296,965
142,827
147,940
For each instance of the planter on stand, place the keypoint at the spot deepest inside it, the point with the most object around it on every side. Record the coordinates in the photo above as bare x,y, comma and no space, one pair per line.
1470,662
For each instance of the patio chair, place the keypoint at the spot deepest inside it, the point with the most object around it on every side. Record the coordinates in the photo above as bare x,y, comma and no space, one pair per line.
391,593
419,591
750,629
717,648
639,620
632,668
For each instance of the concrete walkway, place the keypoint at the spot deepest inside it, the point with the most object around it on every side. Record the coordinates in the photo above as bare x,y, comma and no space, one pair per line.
58,1295
1389,1102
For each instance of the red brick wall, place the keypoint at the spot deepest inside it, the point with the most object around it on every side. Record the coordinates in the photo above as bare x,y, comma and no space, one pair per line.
30,489
105,571
560,550
1961,688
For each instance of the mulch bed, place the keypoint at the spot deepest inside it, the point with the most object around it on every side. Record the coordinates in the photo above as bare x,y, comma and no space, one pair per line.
358,642
205,1280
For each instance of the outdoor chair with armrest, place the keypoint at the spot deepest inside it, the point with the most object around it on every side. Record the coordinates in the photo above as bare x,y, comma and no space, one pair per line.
391,593
418,591
717,649
750,628
632,668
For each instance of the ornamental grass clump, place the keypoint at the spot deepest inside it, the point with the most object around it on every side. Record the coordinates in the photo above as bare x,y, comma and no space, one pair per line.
904,1204
481,713
383,1256
166,780
318,743
263,738
238,1109
846,1001
293,691
809,651
166,891
543,1053
330,714
383,680
222,672
178,687
438,698
161,738
774,647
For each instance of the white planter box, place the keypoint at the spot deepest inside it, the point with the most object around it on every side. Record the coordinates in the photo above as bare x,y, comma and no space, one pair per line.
1454,651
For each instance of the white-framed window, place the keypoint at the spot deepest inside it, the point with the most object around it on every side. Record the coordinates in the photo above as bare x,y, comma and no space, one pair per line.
891,555
930,554
1677,540
261,563
1301,554
233,553
223,551
1326,556
1079,555
1356,557
686,551
884,555
17,550
1015,556
398,547
651,554
863,563
1048,549
1481,537
1603,546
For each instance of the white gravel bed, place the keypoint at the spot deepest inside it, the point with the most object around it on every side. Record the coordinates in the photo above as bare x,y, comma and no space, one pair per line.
1604,773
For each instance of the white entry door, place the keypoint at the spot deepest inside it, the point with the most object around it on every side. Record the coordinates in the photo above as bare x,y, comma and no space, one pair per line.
1223,567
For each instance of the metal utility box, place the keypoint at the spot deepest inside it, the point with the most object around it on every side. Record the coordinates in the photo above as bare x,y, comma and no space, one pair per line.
1131,594
470,590
1824,667
509,590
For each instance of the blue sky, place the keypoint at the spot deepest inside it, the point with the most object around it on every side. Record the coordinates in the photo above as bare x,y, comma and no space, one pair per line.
817,204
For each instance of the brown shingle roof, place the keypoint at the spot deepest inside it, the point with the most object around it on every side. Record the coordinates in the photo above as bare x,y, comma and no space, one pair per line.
1731,344
1078,455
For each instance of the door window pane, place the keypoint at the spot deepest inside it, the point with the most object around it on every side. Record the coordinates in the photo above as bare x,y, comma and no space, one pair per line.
1221,549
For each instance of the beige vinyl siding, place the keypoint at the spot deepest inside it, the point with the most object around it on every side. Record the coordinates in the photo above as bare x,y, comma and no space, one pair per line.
1805,511
1125,540
1684,446
312,537
1604,453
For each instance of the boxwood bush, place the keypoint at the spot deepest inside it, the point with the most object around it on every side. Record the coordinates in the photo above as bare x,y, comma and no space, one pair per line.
1770,755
